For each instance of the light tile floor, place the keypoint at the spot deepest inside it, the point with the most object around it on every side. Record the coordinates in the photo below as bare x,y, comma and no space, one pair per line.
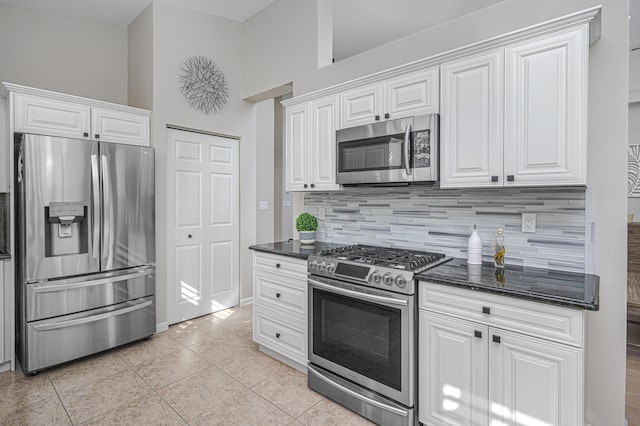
207,371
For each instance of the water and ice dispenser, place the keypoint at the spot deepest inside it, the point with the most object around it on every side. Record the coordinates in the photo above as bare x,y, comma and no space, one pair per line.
66,228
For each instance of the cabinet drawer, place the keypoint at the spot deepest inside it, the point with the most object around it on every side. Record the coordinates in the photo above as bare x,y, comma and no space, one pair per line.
280,292
551,322
287,266
281,333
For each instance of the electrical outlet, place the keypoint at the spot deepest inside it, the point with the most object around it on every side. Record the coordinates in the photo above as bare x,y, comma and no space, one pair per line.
321,213
529,222
263,205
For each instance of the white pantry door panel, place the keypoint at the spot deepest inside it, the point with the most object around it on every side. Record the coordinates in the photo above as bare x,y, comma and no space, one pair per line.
203,267
546,110
471,121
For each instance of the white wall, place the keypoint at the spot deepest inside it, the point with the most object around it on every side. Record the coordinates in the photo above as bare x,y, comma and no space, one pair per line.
265,164
177,34
63,54
290,53
140,59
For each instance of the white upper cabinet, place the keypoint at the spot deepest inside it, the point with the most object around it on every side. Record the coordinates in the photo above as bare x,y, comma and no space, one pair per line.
543,107
297,145
546,109
471,126
35,114
119,126
406,95
310,145
323,155
361,105
55,114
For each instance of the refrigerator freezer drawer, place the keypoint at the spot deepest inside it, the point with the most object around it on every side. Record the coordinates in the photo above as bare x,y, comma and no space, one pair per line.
62,297
57,340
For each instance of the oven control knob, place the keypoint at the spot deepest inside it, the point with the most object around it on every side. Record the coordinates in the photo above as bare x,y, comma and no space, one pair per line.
387,279
313,265
321,266
375,277
401,281
330,267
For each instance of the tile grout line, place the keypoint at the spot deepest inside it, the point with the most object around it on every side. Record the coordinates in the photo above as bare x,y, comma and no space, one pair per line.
60,399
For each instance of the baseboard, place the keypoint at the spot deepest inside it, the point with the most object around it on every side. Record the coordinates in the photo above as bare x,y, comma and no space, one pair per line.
246,301
6,366
163,326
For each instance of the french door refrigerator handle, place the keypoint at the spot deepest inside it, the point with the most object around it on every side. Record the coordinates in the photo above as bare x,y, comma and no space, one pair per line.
364,296
70,323
107,226
92,283
356,395
95,180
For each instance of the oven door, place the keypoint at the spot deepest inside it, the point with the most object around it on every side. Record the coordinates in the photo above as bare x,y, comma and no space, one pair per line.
364,335
375,153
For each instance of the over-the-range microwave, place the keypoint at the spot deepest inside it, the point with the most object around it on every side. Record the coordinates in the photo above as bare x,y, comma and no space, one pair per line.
399,151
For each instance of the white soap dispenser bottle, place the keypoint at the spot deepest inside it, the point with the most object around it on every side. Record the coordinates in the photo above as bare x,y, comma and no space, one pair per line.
474,248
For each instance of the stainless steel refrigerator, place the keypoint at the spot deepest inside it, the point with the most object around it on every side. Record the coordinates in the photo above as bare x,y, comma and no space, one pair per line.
85,267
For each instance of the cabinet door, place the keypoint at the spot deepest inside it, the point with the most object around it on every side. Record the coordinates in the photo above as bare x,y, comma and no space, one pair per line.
52,117
119,127
546,110
453,365
361,105
3,337
297,142
471,121
323,155
532,381
413,94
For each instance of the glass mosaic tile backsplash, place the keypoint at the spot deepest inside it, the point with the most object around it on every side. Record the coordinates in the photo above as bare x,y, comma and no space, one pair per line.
442,219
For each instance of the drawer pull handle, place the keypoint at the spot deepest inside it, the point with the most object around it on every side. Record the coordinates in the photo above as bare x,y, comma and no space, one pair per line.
278,295
277,335
477,334
486,310
278,265
496,339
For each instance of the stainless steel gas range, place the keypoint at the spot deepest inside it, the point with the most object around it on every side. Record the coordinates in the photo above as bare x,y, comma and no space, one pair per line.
363,329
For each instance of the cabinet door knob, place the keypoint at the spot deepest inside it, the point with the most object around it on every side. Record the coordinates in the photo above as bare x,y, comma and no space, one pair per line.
305,185
510,178
97,136
377,118
496,339
313,185
189,235
278,265
386,115
486,310
86,134
278,295
277,335
494,178
477,334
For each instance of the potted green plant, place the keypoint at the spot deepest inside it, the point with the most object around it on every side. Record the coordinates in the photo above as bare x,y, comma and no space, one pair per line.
306,225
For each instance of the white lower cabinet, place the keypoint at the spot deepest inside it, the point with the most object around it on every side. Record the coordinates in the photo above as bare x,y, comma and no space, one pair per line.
472,373
280,306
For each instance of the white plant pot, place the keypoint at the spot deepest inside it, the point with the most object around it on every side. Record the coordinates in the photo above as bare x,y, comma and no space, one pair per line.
307,237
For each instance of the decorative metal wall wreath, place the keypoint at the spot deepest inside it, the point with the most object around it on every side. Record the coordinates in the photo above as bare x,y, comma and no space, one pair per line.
633,171
203,84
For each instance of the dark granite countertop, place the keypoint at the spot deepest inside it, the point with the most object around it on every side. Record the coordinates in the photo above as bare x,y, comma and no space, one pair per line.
536,284
4,256
294,248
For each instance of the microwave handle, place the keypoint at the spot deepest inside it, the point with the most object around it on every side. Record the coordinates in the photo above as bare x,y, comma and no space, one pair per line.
407,147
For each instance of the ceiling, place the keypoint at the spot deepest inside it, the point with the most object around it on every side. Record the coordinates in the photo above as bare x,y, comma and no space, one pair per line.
123,12
357,28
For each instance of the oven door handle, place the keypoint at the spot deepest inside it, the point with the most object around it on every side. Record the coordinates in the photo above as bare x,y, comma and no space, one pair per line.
364,296
361,397
407,147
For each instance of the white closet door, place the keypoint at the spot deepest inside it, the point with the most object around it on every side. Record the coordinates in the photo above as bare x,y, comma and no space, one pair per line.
203,202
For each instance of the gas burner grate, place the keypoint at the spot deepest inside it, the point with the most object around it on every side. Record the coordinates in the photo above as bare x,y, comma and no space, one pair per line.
401,259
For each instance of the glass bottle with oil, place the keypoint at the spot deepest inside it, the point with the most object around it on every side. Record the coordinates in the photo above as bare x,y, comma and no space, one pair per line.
498,257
